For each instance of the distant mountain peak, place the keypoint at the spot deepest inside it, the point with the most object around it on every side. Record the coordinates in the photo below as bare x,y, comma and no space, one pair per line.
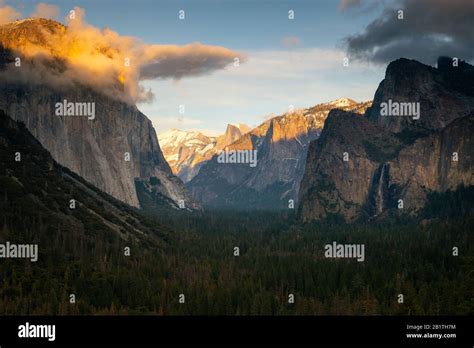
342,102
241,126
187,151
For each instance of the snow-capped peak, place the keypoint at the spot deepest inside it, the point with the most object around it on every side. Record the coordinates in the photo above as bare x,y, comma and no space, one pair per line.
342,102
173,136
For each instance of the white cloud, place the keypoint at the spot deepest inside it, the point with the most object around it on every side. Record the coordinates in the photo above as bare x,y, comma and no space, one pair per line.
288,63
162,124
268,82
176,122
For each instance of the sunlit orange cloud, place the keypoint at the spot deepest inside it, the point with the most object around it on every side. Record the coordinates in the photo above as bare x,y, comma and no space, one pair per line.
7,13
106,60
46,11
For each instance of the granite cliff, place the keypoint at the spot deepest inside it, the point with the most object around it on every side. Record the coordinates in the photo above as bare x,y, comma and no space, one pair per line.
365,166
114,150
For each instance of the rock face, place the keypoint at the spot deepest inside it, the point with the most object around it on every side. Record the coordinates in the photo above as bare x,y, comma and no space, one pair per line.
113,151
38,181
232,133
444,94
363,167
187,151
281,144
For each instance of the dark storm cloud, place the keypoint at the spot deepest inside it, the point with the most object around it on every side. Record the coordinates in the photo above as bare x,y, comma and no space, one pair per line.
430,28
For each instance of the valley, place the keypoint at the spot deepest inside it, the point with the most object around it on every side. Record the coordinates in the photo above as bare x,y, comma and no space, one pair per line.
155,201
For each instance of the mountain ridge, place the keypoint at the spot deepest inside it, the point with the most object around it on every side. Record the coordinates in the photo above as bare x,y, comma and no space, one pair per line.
366,167
281,144
187,151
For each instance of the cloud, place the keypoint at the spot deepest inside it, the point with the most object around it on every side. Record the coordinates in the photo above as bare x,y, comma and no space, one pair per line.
430,28
359,7
183,123
46,11
169,61
290,41
282,64
346,4
8,13
268,82
105,60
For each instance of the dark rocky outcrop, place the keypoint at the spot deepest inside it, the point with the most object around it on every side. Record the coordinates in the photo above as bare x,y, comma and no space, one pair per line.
394,161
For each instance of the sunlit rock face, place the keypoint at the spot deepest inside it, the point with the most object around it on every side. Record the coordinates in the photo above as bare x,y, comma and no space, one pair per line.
113,150
281,144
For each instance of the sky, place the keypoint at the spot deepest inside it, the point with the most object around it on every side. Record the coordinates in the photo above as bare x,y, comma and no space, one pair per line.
297,62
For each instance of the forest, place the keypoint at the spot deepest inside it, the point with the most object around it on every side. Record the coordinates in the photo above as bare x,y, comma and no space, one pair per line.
277,257
185,263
